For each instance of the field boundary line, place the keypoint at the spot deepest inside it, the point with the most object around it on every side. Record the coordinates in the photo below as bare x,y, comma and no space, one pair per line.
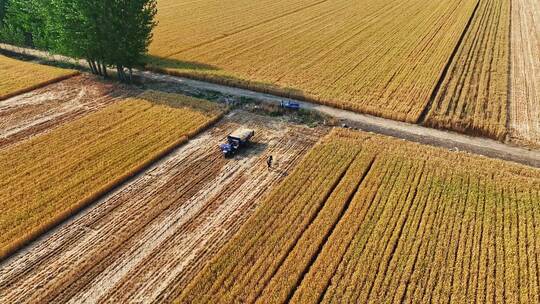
331,231
444,72
509,74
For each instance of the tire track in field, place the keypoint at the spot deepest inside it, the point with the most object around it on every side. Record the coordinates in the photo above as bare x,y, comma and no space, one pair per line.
147,239
36,112
524,93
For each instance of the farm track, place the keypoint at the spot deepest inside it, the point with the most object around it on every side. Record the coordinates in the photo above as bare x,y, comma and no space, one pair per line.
146,240
525,73
416,133
513,151
32,113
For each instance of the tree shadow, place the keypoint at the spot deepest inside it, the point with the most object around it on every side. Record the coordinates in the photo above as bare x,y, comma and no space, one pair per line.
213,74
169,63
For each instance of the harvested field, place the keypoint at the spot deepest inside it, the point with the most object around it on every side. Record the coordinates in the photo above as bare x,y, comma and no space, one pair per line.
473,96
43,109
20,77
391,221
525,73
145,241
377,57
47,178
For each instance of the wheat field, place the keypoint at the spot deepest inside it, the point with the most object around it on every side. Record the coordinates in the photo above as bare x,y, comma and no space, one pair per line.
473,97
21,77
47,178
369,219
377,57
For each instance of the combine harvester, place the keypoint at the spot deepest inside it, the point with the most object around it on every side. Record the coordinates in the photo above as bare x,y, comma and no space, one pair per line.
236,140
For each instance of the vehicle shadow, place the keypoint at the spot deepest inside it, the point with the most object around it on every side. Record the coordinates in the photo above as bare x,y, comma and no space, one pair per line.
252,149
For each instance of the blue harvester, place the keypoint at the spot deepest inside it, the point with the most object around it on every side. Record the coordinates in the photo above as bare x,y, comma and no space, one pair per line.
236,140
290,105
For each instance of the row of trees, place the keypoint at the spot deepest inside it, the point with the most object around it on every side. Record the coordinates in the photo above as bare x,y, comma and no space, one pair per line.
106,33
2,10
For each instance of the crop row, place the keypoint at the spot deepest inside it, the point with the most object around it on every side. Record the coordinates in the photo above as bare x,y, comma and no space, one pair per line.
20,77
402,223
379,57
459,236
213,20
473,96
253,256
47,178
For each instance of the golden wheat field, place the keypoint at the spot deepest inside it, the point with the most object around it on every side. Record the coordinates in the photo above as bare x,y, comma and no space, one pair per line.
369,219
378,57
20,76
47,178
473,96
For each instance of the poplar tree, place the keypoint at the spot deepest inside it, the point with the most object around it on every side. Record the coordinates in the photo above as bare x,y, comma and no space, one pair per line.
106,33
3,4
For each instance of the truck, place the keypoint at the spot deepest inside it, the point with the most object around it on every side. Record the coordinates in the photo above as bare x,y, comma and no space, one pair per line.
236,140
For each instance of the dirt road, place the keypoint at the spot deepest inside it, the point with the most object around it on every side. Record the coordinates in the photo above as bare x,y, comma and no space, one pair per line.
412,132
145,241
450,140
28,114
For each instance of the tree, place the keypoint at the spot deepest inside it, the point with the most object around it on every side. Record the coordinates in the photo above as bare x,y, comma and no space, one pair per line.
104,32
3,5
79,29
132,23
24,23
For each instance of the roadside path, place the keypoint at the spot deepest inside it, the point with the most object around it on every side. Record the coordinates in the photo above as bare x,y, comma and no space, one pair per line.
450,140
446,139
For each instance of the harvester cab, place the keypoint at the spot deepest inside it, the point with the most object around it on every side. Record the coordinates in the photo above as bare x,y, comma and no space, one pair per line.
236,140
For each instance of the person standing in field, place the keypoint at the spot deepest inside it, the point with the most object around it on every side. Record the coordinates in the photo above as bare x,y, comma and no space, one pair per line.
269,162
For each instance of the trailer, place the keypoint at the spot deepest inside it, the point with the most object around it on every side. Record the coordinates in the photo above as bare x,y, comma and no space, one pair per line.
236,140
